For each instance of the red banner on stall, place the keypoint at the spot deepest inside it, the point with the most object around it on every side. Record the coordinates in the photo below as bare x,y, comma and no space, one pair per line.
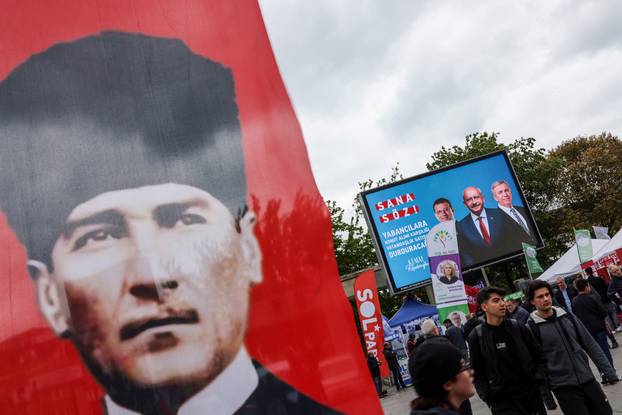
370,317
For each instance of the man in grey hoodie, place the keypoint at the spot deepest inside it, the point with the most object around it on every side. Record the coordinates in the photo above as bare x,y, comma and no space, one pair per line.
565,342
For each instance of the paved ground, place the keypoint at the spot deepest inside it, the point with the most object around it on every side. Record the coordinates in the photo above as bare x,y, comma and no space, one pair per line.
398,403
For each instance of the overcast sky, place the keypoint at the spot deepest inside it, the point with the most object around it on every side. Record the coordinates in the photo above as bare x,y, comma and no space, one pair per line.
377,82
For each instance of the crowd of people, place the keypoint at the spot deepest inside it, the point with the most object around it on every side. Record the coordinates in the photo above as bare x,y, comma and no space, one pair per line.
522,357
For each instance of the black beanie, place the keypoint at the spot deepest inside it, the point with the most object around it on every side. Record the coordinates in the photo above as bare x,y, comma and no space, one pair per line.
436,362
113,111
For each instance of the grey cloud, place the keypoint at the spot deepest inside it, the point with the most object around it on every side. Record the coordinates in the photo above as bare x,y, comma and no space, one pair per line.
379,82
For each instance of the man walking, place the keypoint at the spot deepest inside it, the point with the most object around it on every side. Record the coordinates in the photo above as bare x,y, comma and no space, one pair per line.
391,357
601,287
592,314
565,341
508,365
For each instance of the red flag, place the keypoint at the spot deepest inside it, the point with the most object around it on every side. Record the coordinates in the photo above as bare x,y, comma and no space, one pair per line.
370,316
471,293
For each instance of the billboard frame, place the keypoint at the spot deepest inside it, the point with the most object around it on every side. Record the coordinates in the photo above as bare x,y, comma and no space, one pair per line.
374,231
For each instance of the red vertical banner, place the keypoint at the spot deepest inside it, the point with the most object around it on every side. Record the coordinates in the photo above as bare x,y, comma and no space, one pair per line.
370,317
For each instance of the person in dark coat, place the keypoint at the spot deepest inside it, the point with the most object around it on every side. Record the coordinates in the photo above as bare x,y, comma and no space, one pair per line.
475,320
433,336
592,314
374,369
441,378
516,312
391,357
455,334
601,287
508,365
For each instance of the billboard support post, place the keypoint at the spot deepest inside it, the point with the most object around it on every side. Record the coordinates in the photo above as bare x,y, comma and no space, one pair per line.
485,276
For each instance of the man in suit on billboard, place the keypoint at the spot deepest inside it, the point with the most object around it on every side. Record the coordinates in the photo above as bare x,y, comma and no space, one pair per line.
502,193
443,210
484,233
124,177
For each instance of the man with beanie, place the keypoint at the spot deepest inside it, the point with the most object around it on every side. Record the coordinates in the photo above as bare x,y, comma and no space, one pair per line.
125,181
508,364
441,378
433,337
566,345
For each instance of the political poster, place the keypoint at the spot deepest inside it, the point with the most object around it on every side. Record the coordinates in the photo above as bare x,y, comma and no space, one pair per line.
601,232
584,245
482,196
447,283
531,258
164,246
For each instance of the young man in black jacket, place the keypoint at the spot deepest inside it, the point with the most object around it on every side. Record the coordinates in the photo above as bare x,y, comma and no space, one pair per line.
566,345
508,364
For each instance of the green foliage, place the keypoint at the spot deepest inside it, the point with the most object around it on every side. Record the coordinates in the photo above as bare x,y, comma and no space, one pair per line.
353,247
477,144
588,188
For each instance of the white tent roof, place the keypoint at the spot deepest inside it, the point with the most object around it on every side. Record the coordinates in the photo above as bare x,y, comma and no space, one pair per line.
611,245
569,263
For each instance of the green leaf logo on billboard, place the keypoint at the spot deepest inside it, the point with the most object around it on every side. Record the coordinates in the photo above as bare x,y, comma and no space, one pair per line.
442,236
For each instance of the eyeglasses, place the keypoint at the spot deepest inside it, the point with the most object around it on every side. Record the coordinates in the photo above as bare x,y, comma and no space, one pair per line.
464,368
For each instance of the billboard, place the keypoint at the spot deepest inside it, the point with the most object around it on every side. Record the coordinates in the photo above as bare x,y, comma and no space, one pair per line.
481,196
163,246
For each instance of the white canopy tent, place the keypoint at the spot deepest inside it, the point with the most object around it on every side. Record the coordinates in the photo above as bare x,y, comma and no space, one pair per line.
611,245
569,263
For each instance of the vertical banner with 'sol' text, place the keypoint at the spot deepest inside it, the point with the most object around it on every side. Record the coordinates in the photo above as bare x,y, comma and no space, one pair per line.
370,316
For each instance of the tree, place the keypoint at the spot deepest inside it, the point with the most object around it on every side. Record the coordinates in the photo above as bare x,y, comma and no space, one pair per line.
354,250
589,183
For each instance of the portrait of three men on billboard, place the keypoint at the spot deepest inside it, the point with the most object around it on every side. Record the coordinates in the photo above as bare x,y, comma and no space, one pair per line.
486,232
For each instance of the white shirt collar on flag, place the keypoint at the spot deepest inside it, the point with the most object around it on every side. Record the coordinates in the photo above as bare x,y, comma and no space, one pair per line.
223,396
